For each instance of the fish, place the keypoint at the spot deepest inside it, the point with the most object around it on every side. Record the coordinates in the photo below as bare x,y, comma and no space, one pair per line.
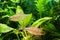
35,31
18,17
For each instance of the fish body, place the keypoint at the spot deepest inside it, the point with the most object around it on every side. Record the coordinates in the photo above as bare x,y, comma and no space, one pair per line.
18,17
35,31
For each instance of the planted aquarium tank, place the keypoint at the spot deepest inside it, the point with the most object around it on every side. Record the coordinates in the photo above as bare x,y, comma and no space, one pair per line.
29,19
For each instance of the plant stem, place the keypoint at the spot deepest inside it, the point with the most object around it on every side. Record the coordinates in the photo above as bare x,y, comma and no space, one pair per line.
6,35
40,14
22,34
25,32
17,37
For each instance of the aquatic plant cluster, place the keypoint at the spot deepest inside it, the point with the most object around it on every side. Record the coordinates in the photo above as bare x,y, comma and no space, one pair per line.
29,19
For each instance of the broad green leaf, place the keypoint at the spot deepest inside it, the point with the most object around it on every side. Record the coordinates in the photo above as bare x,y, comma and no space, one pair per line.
11,12
19,10
4,28
40,21
25,20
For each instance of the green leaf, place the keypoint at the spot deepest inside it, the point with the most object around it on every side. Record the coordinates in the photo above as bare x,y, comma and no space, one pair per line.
25,21
0,38
40,21
41,4
11,12
49,27
19,10
15,1
4,28
47,1
5,10
5,16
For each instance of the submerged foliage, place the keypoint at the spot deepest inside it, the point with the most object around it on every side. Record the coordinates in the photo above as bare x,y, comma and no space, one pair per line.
29,20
